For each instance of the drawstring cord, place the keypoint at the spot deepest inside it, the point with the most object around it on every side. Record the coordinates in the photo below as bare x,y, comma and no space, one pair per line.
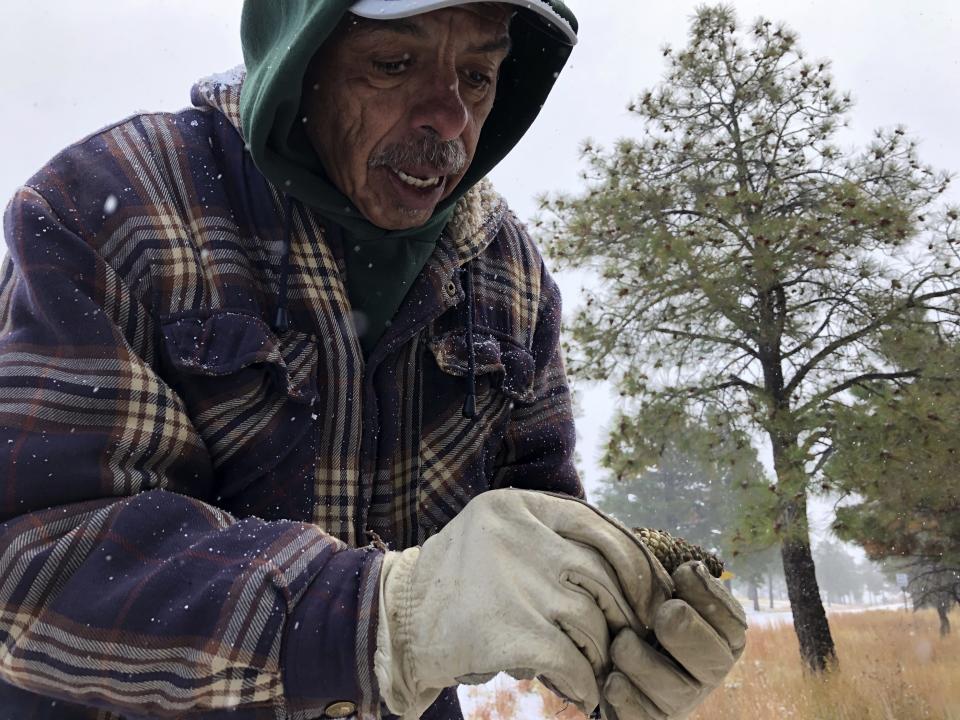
470,403
281,322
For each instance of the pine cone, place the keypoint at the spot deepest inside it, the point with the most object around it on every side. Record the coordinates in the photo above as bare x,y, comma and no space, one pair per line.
672,551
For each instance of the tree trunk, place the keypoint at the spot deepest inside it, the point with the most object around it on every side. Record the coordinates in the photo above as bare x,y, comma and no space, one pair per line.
943,610
770,589
809,618
755,596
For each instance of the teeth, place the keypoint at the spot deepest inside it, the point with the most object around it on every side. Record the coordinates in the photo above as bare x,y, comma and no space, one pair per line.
417,182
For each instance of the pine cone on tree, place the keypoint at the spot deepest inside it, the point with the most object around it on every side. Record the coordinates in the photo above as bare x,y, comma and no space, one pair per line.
672,551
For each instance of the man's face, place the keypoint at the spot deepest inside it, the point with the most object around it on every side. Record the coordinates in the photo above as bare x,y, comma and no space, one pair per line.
394,108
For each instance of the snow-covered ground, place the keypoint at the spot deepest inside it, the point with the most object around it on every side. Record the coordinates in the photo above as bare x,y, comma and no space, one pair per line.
782,616
529,706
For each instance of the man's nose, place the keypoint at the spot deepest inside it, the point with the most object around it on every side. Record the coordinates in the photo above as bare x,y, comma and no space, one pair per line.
440,107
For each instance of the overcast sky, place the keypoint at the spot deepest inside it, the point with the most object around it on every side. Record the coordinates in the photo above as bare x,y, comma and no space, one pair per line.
71,66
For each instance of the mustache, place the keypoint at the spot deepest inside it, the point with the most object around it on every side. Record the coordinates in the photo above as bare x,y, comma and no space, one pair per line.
447,157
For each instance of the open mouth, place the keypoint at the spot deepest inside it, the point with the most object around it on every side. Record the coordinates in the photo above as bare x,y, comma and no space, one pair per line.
417,182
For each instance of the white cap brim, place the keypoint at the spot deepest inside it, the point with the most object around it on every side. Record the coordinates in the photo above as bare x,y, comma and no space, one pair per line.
393,9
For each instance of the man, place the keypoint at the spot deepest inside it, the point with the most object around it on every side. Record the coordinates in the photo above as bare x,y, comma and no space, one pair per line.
243,341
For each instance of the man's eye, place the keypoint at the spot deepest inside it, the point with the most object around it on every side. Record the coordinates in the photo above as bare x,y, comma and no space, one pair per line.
392,67
478,79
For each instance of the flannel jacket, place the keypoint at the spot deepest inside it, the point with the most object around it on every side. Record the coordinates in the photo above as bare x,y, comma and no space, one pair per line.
188,494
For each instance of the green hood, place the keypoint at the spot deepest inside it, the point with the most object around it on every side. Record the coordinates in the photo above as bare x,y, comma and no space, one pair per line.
279,39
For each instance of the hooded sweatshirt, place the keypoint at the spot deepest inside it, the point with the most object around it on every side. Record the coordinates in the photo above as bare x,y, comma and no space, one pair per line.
279,40
187,491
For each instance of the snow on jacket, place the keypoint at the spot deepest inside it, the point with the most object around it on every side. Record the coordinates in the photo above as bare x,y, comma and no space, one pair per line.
189,494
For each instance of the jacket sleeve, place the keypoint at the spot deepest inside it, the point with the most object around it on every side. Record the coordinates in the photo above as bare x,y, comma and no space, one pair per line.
538,447
121,586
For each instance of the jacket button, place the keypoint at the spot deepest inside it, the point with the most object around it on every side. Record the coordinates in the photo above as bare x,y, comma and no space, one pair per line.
451,288
340,709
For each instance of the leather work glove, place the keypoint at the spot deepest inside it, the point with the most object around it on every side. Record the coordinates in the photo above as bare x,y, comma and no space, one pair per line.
530,583
704,631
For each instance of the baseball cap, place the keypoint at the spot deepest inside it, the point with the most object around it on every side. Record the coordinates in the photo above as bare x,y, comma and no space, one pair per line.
548,11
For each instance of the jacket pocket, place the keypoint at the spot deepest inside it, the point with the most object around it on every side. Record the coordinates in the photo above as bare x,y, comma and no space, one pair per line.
499,364
248,391
457,454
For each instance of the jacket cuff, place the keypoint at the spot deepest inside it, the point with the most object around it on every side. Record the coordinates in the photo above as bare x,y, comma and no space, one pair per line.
329,645
392,665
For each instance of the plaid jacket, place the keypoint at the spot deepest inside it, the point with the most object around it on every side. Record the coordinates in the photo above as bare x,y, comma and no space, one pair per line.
187,494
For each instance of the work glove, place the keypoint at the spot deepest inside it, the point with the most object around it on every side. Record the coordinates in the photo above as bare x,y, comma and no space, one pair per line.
697,638
529,583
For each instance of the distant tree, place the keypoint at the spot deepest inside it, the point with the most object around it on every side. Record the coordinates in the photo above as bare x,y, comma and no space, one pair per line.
838,572
694,486
877,581
747,262
704,484
755,568
935,586
673,495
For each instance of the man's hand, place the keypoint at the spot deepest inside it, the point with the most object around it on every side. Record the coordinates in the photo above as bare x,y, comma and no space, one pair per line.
704,631
530,583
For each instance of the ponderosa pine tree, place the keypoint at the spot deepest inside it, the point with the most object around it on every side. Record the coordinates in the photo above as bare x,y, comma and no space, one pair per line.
896,454
747,262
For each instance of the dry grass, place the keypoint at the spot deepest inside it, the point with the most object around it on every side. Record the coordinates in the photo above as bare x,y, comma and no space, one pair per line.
893,666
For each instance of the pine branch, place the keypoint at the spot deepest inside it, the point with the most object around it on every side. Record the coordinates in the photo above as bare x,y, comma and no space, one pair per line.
862,332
